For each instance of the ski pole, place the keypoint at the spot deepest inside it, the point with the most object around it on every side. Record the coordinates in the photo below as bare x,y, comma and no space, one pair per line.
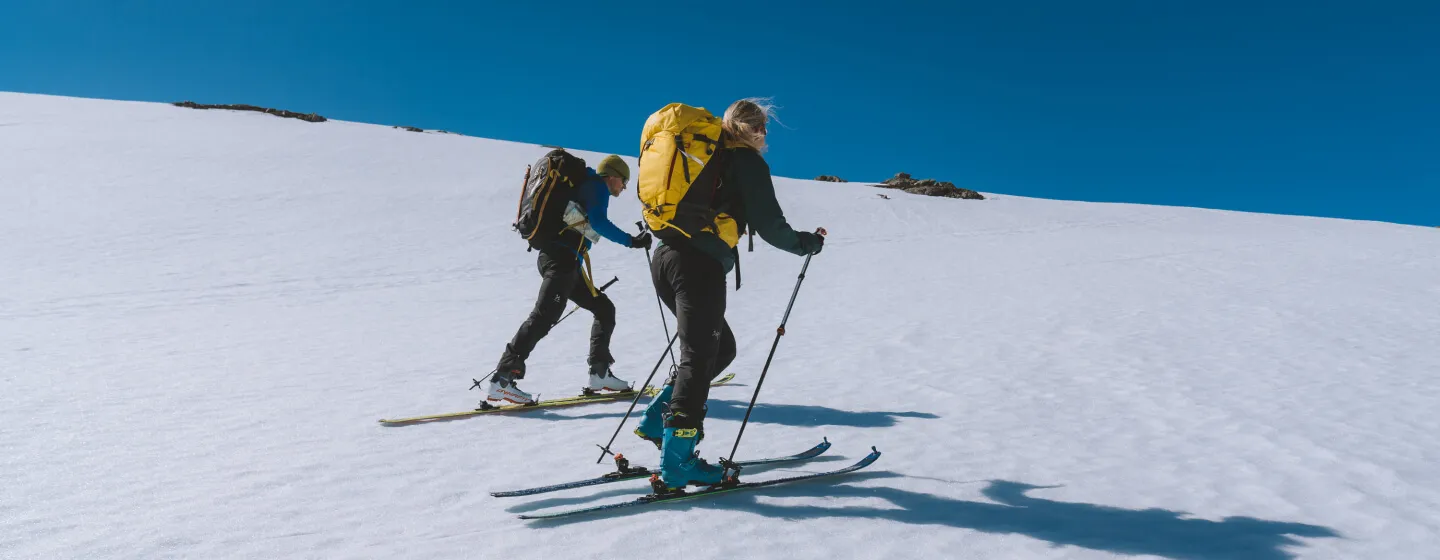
729,462
562,318
577,308
605,449
669,349
660,304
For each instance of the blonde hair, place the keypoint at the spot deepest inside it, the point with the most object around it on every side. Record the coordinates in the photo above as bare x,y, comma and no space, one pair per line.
745,121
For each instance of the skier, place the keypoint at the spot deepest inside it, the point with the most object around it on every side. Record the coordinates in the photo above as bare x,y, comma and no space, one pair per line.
689,276
561,279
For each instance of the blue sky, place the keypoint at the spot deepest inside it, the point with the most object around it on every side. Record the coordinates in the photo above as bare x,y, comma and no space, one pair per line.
1316,108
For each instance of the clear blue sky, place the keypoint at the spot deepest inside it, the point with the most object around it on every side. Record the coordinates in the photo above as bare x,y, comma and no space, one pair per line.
1316,107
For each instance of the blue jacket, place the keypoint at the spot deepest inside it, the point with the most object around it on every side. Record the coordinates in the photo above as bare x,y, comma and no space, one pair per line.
594,197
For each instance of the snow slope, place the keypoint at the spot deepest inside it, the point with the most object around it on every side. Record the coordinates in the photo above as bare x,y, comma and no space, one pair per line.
204,313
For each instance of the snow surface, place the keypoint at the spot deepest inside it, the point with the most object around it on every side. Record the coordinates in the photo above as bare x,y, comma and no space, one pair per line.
204,313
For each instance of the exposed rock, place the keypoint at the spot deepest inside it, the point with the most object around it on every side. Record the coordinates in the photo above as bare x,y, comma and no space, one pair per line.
830,179
901,176
308,117
928,187
411,128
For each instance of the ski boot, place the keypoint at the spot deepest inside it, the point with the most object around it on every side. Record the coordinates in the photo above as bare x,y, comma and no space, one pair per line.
602,379
652,422
503,388
680,464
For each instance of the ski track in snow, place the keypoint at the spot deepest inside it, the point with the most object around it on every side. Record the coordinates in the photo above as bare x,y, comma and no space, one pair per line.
206,311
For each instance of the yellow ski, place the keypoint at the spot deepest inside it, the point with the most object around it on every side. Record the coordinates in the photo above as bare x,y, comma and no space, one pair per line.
552,403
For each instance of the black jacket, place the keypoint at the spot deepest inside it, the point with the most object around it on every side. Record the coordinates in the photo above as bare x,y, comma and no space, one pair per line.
748,195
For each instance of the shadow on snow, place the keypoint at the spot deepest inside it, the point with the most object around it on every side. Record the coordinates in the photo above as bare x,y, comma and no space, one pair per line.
774,413
1154,531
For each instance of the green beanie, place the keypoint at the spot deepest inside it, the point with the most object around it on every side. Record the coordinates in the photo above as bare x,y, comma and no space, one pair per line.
613,166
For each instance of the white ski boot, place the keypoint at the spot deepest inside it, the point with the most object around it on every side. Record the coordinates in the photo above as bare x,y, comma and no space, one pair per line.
602,379
504,389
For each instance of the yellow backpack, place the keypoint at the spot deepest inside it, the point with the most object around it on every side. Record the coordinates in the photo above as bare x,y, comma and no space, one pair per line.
680,174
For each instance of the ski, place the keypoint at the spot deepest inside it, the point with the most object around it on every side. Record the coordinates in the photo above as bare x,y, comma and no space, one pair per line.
627,472
487,408
710,491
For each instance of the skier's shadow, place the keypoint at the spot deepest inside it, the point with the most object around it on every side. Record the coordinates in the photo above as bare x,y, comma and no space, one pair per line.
783,414
1153,531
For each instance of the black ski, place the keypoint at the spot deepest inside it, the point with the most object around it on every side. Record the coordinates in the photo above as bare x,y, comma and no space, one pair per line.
713,490
627,472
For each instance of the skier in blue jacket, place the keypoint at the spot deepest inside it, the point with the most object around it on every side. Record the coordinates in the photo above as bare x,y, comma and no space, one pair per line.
559,264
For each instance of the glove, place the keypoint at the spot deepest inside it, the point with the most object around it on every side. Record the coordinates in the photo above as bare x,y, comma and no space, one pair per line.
641,241
810,243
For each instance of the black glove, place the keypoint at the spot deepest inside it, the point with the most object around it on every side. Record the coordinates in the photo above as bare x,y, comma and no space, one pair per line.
810,243
641,241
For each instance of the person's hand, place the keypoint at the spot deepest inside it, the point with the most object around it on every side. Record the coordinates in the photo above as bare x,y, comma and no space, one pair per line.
641,241
812,243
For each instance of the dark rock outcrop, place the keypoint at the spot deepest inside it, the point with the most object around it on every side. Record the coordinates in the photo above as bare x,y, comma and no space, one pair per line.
928,187
830,179
308,117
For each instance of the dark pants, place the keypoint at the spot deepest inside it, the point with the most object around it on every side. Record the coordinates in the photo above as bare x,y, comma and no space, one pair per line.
692,285
560,281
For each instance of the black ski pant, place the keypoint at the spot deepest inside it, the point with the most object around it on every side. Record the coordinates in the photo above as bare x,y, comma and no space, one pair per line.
692,285
560,281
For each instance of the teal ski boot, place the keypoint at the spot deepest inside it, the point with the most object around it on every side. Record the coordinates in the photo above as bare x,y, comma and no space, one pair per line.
652,423
680,464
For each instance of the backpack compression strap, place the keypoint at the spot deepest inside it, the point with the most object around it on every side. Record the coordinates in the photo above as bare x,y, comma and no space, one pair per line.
587,274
